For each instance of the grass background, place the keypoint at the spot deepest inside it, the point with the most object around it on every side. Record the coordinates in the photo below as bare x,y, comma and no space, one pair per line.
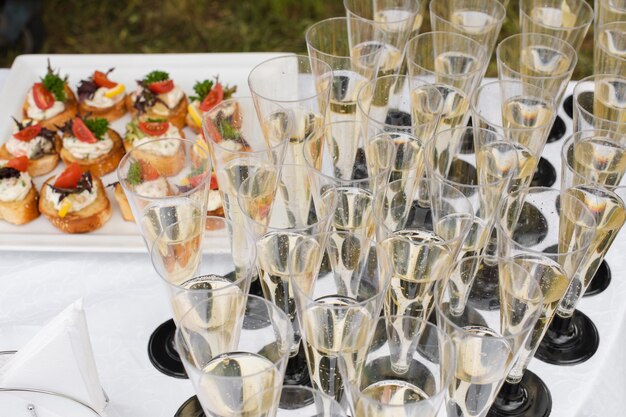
150,26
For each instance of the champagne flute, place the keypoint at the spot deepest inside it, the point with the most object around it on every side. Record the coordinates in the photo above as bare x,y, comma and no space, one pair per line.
487,330
192,270
176,194
291,94
543,61
453,62
567,20
356,169
278,219
406,370
524,118
351,47
600,103
254,361
526,233
610,51
572,337
293,401
339,281
480,20
395,18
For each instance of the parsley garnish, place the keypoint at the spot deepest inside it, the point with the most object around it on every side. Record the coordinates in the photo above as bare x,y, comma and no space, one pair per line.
202,88
97,126
134,173
54,84
156,120
156,76
228,131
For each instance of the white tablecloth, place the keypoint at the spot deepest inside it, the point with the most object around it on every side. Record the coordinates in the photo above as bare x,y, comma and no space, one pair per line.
125,301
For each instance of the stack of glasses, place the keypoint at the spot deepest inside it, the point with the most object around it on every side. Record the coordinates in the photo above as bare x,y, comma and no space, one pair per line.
410,258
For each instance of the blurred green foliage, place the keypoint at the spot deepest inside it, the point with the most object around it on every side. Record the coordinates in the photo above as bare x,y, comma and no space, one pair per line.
150,26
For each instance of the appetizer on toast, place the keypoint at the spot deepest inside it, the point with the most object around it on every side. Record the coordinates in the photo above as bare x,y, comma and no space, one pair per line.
146,181
100,97
92,145
158,97
35,142
18,197
158,144
75,201
208,95
50,101
122,201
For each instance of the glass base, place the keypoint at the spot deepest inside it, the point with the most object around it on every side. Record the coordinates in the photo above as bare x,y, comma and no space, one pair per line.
190,408
568,106
600,280
530,398
297,372
545,175
162,352
569,341
557,131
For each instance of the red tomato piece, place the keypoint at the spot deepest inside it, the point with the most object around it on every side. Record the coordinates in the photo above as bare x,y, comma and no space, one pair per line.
154,128
148,172
43,98
28,133
70,177
20,163
215,96
101,80
213,185
161,87
82,132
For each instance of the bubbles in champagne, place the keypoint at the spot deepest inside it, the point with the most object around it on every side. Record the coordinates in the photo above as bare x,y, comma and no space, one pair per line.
538,60
455,108
599,160
609,100
456,63
613,41
343,94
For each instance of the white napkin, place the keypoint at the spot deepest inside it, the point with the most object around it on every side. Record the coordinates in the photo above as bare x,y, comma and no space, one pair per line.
60,359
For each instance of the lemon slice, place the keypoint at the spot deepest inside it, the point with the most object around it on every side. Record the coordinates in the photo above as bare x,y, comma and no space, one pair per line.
115,91
195,114
65,208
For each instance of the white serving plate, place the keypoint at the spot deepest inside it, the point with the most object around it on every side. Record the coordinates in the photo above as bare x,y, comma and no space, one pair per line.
116,235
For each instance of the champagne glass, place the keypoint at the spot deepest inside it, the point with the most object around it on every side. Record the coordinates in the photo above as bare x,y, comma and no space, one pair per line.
608,11
407,368
356,169
572,337
192,270
453,62
550,244
339,280
291,95
488,329
610,51
600,103
419,255
567,20
294,401
480,20
253,361
278,218
395,18
351,47
524,118
161,194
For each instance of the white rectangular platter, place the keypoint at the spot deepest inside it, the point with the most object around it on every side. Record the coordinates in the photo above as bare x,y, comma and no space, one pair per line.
116,235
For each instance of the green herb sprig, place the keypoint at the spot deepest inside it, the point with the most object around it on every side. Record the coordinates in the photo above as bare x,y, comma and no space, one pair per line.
202,89
55,84
134,173
155,77
98,127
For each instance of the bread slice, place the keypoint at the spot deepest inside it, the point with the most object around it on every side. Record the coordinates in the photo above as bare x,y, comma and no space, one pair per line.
176,115
103,164
122,201
128,145
36,167
90,218
53,123
21,211
112,113
165,165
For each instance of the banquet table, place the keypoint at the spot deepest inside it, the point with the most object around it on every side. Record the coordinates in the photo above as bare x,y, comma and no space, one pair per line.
124,302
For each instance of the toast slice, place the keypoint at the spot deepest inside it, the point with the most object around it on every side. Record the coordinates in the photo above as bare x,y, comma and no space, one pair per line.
53,123
90,218
128,145
165,165
36,167
176,116
111,114
122,201
21,211
103,164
